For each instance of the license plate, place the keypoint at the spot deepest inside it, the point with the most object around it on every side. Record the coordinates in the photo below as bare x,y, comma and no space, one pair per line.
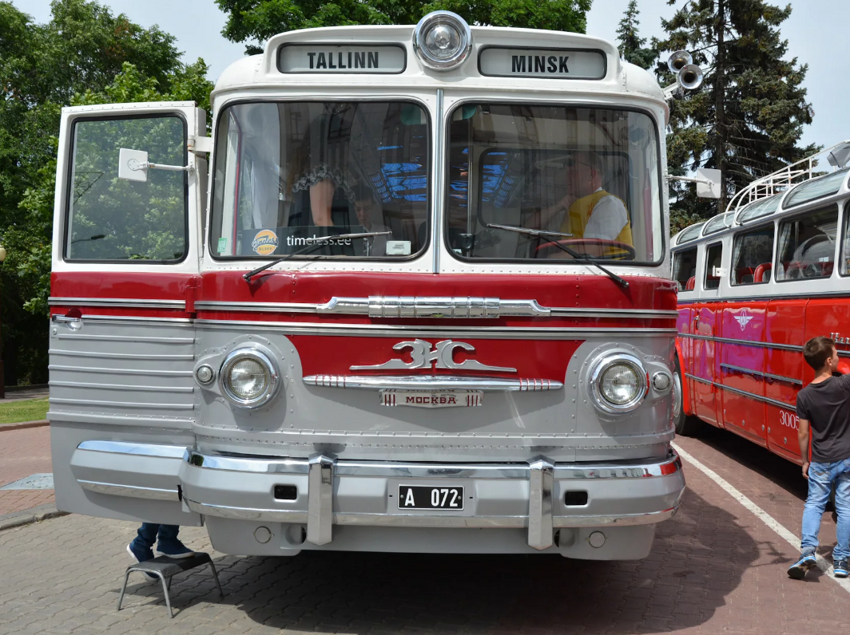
419,497
432,398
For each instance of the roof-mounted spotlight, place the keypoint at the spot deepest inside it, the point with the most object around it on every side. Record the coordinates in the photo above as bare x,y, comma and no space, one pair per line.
442,40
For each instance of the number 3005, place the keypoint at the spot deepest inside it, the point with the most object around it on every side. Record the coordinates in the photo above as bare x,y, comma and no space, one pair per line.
789,419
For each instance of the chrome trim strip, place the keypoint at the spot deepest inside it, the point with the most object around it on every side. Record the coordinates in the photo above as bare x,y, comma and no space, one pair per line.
540,485
130,491
320,500
132,356
749,371
136,449
122,371
129,388
729,340
431,382
118,302
121,404
429,520
431,307
125,338
467,332
388,469
438,159
744,393
122,319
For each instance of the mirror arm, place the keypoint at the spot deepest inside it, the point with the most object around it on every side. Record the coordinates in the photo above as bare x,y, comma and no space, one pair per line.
170,168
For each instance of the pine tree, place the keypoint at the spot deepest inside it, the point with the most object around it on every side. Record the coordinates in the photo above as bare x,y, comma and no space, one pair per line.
748,117
631,44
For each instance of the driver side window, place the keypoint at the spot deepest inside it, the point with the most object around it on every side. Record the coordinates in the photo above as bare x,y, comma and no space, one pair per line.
807,246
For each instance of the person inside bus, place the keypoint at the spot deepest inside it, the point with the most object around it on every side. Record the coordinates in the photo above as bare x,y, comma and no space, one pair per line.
587,211
370,216
824,407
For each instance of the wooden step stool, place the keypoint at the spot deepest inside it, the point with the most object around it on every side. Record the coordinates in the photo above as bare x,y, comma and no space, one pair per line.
164,568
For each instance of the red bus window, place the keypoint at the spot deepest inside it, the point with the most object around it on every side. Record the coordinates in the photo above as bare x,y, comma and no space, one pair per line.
807,246
752,252
713,258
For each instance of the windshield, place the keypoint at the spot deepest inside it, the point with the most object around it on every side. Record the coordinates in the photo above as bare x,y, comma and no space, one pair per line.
290,172
589,177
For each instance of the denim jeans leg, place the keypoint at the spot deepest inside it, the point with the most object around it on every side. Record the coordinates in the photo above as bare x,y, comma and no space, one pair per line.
146,535
819,489
168,533
842,508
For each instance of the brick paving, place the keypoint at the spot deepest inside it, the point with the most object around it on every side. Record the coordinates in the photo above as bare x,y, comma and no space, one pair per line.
714,568
23,453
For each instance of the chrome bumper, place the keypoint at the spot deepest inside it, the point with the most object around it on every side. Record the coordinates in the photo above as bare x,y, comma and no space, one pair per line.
340,492
343,492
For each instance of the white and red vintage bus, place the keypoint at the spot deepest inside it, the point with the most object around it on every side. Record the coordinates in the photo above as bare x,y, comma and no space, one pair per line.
378,309
756,283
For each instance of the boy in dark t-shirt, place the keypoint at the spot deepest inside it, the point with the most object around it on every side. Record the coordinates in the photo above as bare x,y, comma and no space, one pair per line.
824,406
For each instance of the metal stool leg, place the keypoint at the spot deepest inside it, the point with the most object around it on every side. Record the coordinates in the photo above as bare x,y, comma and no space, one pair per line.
123,588
165,592
217,583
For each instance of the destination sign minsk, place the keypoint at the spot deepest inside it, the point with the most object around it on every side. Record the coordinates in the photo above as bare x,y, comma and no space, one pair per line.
553,63
318,58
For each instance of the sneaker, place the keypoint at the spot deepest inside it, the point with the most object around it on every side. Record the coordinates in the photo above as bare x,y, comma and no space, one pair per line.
140,555
798,570
839,568
174,549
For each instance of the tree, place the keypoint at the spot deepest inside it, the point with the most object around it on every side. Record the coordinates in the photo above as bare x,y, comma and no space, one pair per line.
631,44
255,21
748,118
81,56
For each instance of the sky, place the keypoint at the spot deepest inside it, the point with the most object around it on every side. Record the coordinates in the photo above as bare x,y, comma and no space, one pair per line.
815,29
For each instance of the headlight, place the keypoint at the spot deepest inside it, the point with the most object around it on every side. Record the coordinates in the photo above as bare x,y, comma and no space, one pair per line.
442,40
248,378
618,383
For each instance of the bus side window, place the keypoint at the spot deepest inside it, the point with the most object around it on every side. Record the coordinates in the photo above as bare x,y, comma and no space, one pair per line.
684,268
751,256
807,245
713,258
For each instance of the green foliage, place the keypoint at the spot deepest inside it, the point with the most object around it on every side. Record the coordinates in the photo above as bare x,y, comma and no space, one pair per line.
631,44
84,55
748,117
254,21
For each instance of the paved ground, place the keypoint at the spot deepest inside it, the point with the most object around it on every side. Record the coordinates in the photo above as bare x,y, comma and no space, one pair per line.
715,568
23,453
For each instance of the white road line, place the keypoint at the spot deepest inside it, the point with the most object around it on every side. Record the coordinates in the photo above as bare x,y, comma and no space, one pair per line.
766,518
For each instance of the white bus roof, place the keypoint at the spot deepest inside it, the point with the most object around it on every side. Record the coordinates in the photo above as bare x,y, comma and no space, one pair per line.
264,71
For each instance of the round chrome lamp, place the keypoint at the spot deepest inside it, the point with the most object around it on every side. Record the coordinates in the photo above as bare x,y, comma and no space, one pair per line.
442,40
248,378
618,383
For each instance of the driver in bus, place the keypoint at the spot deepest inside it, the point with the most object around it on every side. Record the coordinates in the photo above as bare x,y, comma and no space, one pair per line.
588,211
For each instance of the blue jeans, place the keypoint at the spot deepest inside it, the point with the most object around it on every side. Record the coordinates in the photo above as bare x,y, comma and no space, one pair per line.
821,478
148,532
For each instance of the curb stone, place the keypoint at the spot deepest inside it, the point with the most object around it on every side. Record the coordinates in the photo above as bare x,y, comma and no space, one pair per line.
5,427
29,516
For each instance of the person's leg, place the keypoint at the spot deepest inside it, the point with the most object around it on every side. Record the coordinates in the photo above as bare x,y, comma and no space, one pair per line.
841,553
820,480
169,545
146,536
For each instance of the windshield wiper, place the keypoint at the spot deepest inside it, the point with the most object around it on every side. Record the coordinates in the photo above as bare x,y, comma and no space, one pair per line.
576,256
313,244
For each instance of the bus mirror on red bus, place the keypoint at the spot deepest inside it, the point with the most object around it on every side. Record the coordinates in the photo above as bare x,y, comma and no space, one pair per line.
133,165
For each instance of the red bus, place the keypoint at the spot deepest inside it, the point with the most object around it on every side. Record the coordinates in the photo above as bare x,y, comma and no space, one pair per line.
755,283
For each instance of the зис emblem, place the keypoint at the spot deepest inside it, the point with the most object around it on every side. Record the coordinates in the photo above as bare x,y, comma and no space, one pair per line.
440,356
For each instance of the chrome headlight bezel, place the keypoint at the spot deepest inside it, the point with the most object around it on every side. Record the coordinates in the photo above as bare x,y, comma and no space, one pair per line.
433,20
604,364
266,361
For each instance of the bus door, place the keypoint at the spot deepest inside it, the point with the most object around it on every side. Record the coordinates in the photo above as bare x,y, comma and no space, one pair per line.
742,368
704,325
684,272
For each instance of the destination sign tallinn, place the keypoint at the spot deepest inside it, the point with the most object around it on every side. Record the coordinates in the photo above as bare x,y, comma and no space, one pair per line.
318,58
549,63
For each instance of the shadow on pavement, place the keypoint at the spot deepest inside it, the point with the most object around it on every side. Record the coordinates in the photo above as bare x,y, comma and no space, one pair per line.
697,560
